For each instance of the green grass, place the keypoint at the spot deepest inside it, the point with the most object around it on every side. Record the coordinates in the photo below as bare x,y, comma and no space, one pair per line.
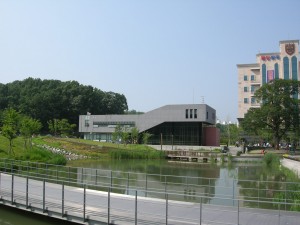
94,149
136,154
35,154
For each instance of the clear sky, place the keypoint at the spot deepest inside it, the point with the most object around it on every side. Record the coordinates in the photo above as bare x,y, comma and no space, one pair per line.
155,52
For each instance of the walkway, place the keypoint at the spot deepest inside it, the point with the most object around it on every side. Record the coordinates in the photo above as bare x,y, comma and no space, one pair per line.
98,207
292,165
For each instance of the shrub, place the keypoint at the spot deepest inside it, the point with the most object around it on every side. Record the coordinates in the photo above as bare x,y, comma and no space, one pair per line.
271,159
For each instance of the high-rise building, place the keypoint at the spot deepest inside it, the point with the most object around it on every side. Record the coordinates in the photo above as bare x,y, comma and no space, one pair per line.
269,66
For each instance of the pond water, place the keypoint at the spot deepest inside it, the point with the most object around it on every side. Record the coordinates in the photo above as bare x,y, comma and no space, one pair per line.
219,183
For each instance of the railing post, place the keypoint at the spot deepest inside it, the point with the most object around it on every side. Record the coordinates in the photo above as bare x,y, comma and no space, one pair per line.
96,177
279,204
238,212
233,190
27,192
81,175
69,174
165,184
111,178
128,176
12,166
146,185
108,206
44,195
27,168
56,174
200,211
135,217
258,193
12,188
46,165
166,209
84,202
63,200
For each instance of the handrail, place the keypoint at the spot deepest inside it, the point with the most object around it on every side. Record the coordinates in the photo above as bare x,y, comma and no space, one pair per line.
117,180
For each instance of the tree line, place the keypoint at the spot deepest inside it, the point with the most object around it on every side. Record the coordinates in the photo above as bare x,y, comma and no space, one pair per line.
51,100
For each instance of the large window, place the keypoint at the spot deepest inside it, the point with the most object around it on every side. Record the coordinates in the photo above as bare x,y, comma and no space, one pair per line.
264,73
245,77
245,100
294,68
276,71
113,124
252,77
286,69
245,89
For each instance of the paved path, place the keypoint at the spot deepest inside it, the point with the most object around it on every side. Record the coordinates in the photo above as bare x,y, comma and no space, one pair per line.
124,209
292,165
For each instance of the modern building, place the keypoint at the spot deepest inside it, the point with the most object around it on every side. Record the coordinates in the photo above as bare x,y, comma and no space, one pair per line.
269,66
189,124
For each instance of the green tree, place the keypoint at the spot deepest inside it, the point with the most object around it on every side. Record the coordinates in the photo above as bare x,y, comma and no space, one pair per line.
146,137
117,134
29,127
10,121
135,135
279,111
61,127
125,136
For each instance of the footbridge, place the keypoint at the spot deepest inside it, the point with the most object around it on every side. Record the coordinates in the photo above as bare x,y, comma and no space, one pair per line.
60,193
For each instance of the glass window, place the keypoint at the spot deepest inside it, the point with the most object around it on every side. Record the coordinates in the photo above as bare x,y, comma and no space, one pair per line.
294,68
186,113
286,69
252,100
245,89
252,77
207,115
195,113
245,77
252,89
246,100
264,73
276,71
191,113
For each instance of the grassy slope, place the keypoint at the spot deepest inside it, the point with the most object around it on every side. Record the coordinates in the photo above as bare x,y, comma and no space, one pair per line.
34,154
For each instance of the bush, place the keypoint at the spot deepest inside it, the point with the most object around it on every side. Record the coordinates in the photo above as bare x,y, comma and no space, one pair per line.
271,159
238,153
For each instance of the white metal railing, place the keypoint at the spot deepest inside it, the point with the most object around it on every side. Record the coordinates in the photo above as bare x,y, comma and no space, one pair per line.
83,205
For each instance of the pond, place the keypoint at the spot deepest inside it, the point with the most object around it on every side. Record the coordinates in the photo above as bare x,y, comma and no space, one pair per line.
215,183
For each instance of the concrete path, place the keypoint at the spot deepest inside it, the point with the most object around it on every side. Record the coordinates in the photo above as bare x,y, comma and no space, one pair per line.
97,207
292,165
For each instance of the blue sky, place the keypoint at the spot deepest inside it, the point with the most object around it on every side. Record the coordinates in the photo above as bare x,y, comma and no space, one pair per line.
155,52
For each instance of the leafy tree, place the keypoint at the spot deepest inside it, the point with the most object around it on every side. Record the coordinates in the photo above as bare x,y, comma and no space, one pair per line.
135,135
125,136
29,127
279,111
146,137
117,134
10,121
61,127
48,99
53,126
